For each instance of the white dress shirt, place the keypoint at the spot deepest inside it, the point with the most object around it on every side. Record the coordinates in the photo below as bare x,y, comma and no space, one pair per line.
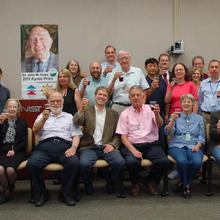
99,125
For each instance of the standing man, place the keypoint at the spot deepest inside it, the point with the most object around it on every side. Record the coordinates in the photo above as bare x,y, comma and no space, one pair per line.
138,126
88,85
208,100
100,141
119,83
164,63
40,42
58,142
198,61
111,64
4,93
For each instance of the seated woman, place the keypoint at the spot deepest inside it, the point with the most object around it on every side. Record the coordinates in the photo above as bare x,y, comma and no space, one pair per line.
215,136
188,133
13,141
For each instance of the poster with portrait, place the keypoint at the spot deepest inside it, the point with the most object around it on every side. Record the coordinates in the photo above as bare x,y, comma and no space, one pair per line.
39,60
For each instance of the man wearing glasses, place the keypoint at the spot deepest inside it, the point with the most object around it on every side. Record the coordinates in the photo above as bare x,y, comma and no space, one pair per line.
120,82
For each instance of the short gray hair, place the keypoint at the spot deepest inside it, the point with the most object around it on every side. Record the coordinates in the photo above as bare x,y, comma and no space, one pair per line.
124,51
136,87
188,96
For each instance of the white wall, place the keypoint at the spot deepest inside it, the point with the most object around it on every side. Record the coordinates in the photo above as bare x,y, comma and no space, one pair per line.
144,27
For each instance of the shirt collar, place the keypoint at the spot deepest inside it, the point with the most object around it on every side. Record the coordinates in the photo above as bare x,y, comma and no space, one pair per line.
134,110
100,111
184,116
61,115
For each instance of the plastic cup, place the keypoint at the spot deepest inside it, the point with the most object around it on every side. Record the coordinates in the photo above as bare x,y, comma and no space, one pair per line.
121,79
152,105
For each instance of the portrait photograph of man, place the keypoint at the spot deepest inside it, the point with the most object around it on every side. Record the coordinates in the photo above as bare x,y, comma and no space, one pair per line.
39,48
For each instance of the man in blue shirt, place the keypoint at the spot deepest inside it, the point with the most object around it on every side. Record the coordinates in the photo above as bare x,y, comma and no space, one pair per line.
111,64
88,85
208,100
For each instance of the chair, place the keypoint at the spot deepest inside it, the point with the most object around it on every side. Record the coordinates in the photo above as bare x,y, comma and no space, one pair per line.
22,165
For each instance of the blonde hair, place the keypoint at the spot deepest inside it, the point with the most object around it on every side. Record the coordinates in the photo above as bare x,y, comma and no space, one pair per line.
67,73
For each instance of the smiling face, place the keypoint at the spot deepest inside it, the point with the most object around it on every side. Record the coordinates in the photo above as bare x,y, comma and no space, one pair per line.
164,62
198,62
63,79
101,97
56,103
40,43
214,69
12,108
179,71
73,68
196,76
152,69
124,60
187,105
95,70
110,55
136,97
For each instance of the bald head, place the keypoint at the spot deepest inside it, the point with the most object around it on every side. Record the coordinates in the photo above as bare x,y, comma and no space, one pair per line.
40,43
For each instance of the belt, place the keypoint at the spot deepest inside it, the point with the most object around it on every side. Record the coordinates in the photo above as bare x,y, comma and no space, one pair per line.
119,103
209,113
55,140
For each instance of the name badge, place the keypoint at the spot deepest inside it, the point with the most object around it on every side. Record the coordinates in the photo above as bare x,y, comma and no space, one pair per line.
213,102
139,130
187,136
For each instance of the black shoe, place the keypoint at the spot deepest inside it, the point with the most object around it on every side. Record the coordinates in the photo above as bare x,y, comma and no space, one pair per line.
178,187
4,198
89,189
66,199
121,191
41,199
187,193
109,188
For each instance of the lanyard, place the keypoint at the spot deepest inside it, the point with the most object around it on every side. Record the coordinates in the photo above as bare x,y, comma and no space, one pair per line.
213,94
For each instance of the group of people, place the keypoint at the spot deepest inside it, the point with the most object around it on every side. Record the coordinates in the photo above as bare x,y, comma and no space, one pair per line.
124,117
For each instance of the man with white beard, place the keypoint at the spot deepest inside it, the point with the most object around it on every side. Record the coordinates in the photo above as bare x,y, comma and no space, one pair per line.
58,142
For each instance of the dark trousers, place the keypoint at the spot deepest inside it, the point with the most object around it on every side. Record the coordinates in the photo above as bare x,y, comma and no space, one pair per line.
90,156
50,152
151,151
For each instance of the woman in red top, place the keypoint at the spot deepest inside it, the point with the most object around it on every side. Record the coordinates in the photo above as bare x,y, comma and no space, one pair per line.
178,87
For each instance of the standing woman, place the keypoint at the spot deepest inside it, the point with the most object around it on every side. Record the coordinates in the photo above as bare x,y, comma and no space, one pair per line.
13,142
188,133
181,87
196,77
71,95
74,68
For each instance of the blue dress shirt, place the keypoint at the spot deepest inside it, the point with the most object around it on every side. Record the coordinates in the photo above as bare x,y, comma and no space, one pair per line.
192,124
207,94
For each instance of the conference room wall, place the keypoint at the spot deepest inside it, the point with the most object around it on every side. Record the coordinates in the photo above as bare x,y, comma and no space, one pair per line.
144,27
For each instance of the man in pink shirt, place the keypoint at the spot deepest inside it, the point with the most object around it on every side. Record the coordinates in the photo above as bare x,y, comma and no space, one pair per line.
138,126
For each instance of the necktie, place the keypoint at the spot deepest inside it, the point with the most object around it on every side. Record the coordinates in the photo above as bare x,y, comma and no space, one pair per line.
165,78
39,66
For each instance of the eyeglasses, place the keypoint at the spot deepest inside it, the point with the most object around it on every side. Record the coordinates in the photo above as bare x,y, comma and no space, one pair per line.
122,58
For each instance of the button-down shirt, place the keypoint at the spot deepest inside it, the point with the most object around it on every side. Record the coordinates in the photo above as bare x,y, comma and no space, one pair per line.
44,65
134,76
99,125
140,127
59,126
208,100
90,89
187,124
115,68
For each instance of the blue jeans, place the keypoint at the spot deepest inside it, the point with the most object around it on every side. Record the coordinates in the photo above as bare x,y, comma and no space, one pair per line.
188,162
216,154
88,157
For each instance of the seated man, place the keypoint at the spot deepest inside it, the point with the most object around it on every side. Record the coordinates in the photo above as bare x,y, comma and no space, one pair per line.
58,142
138,127
215,136
100,141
